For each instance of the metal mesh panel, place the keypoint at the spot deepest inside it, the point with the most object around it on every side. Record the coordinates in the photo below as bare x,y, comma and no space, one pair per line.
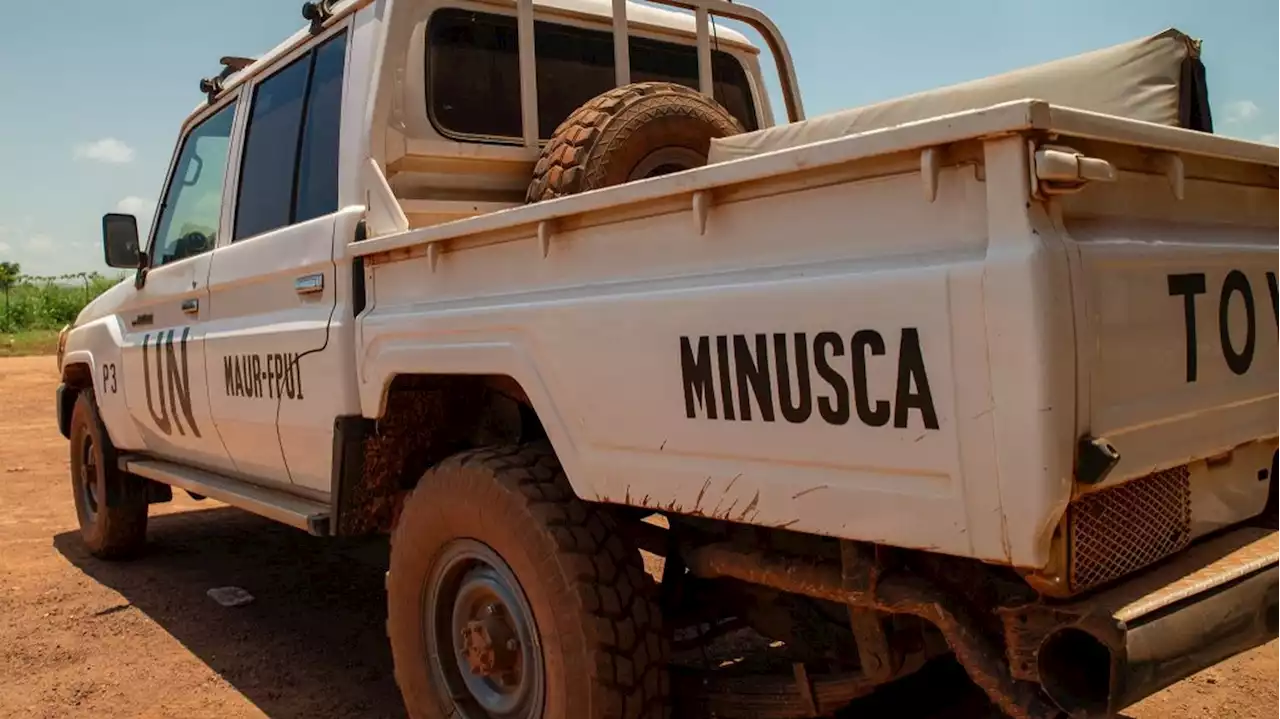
1120,530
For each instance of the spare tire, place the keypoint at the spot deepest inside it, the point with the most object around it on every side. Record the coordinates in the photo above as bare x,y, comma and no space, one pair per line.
632,132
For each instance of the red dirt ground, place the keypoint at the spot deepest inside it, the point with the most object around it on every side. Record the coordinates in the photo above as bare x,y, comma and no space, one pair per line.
79,637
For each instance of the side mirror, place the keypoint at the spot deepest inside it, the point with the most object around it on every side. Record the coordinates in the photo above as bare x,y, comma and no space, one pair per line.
120,241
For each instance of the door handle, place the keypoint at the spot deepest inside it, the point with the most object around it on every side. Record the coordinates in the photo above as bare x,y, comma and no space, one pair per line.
191,306
309,284
142,320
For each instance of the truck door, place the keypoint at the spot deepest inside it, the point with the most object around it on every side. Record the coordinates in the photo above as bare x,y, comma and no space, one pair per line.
274,387
163,374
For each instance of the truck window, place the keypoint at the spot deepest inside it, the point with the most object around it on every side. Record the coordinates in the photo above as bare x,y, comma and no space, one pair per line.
473,73
289,173
318,160
192,204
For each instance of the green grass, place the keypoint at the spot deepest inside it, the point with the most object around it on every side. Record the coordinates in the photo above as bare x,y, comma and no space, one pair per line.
38,303
33,309
28,343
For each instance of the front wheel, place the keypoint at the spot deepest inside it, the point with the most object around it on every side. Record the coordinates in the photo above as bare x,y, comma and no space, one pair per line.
110,504
510,598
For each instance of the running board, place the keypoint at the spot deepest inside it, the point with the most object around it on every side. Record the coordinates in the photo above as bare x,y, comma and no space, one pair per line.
295,511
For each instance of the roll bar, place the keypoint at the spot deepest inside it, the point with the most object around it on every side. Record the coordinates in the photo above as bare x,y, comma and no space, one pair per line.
703,10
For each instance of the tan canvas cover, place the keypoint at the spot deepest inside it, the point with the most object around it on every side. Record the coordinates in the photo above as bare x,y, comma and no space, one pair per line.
1138,79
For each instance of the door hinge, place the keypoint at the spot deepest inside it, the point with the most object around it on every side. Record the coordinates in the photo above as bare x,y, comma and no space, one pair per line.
1059,170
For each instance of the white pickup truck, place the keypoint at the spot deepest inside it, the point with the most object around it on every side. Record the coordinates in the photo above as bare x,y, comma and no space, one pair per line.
963,373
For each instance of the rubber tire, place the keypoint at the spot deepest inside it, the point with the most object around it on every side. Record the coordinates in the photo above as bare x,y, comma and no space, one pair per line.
118,530
604,651
603,141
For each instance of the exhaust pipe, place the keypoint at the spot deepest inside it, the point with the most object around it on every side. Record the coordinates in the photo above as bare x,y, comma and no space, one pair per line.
1076,672
1090,658
1098,657
981,659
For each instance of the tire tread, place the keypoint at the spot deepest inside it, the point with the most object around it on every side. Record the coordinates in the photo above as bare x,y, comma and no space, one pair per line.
123,518
620,620
570,162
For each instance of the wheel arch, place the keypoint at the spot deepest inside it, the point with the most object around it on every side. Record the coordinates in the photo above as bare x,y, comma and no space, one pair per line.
77,369
89,349
412,421
503,368
76,376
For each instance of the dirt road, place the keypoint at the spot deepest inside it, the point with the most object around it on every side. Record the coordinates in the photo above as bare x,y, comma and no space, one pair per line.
79,637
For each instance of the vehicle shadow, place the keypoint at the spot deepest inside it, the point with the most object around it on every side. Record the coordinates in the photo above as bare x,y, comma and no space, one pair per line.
312,643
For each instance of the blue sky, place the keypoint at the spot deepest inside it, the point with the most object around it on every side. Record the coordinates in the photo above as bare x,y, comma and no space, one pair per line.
93,91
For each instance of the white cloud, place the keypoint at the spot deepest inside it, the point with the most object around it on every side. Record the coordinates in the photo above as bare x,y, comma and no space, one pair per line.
44,251
42,255
1241,111
108,149
139,207
40,245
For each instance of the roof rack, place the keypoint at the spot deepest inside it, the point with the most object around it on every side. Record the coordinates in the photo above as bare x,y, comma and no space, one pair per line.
317,13
703,11
212,86
322,12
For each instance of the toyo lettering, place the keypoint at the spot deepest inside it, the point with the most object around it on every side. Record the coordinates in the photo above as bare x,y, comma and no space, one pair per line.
1237,352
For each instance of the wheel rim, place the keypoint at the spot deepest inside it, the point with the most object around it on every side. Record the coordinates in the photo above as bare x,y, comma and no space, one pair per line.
89,484
665,161
481,638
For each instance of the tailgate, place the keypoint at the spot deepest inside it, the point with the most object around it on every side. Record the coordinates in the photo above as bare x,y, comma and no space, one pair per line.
1176,323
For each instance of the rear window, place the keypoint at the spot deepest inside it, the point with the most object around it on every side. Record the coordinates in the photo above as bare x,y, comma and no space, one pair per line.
473,73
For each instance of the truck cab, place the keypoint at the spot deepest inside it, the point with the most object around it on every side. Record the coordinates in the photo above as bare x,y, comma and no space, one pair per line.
246,296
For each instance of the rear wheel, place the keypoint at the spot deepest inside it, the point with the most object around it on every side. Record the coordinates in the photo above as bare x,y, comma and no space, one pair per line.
110,504
630,133
510,598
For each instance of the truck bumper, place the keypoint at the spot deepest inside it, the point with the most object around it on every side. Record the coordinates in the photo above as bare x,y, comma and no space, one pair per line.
1098,655
63,404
